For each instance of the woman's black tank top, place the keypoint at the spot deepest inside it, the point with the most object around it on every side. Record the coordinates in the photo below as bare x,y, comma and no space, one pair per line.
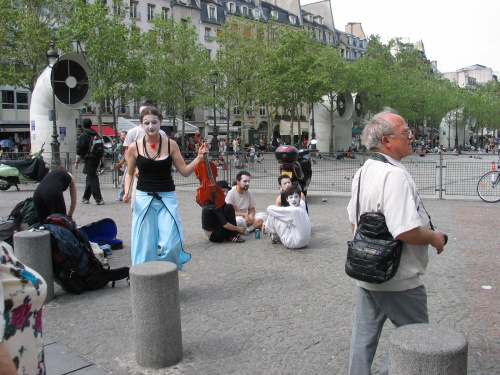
155,175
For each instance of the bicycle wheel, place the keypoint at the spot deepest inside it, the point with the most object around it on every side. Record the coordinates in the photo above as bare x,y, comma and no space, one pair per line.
488,187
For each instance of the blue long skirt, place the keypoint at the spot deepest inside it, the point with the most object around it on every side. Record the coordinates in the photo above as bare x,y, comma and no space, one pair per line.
157,224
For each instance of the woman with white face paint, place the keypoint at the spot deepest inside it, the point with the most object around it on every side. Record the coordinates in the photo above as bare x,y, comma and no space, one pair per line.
156,223
290,225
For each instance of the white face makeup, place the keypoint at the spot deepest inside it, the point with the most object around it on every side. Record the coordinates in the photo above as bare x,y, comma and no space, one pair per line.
151,124
294,200
244,182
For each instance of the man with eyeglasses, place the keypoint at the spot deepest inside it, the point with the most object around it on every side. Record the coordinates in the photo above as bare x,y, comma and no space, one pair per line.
388,188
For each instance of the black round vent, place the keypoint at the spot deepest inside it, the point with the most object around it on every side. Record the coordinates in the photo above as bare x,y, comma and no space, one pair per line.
341,104
69,82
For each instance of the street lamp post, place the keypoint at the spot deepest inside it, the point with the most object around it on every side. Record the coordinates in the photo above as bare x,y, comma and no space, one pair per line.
456,128
313,134
53,58
215,141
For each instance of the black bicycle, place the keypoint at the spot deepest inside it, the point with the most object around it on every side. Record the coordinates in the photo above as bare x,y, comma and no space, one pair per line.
488,187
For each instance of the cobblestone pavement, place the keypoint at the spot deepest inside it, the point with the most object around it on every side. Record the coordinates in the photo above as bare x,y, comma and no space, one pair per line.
258,308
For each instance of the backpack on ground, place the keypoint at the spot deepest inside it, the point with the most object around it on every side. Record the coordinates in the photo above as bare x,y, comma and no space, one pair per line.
24,215
75,266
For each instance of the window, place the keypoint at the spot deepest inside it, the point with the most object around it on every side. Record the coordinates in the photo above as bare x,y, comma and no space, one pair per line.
209,53
320,20
256,13
319,34
232,7
207,33
292,19
133,9
310,18
236,110
244,10
274,14
7,99
262,109
117,8
22,100
165,13
211,12
151,12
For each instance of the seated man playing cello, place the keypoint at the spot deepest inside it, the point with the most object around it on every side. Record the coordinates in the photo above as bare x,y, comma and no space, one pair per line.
219,224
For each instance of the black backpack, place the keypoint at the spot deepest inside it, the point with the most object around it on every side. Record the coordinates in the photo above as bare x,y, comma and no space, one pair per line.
96,148
75,267
24,213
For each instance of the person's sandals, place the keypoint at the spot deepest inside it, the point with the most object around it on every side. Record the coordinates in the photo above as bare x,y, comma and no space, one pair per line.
236,239
275,238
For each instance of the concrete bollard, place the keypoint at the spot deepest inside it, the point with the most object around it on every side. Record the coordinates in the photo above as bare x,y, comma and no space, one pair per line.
156,314
34,250
427,349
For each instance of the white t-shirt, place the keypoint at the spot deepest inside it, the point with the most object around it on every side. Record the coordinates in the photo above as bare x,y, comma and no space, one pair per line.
390,190
241,202
135,134
292,224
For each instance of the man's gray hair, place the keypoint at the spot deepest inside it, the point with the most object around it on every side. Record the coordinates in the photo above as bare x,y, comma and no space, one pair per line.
376,129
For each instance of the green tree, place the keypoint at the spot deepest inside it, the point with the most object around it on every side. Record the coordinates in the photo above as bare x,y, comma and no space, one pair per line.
107,44
238,60
178,67
26,30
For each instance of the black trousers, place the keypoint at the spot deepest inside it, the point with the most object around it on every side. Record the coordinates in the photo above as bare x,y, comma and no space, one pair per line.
92,182
220,233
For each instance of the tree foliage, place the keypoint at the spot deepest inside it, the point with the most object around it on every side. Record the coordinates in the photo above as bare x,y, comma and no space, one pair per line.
178,67
26,30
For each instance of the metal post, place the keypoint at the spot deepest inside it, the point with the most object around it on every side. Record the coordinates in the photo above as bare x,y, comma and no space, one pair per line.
456,128
441,175
53,58
215,141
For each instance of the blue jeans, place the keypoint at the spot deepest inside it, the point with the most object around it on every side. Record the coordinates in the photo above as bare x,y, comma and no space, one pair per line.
122,190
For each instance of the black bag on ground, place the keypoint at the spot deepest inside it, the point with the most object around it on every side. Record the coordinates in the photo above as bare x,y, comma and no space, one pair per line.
75,266
373,255
24,213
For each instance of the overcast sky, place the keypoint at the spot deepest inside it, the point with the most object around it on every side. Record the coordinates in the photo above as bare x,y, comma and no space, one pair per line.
456,33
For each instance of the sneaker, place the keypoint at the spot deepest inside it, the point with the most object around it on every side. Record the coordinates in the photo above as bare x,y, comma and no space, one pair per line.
245,232
100,202
236,239
85,201
118,199
275,238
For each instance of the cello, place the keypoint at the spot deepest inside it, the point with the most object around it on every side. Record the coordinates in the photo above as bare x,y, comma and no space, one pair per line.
209,195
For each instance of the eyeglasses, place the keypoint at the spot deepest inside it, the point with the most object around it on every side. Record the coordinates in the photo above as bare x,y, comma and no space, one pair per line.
410,133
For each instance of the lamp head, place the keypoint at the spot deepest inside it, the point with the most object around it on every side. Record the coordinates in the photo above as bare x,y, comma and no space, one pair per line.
52,55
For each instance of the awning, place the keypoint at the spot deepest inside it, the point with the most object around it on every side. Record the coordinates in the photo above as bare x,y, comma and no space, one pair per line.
285,127
106,130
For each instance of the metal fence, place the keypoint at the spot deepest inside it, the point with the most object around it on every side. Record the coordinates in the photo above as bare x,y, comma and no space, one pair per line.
434,177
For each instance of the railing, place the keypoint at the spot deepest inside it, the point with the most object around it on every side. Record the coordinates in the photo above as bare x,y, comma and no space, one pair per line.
434,177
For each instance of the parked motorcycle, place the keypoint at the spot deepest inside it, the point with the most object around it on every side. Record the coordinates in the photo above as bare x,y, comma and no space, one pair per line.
31,171
295,164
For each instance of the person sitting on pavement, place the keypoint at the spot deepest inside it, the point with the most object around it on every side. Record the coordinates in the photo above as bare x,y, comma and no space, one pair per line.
219,224
238,164
49,198
285,182
290,225
244,205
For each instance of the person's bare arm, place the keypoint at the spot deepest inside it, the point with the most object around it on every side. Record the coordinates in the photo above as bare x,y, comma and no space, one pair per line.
7,366
423,236
73,195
